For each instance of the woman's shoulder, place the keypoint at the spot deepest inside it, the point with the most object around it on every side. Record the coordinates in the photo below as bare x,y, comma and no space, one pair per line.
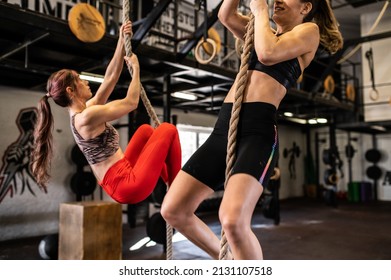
307,27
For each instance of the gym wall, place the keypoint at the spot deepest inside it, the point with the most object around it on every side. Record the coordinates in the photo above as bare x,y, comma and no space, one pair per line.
361,144
382,70
25,210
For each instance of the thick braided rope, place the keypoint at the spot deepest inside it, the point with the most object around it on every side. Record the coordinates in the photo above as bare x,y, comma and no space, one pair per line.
152,114
241,81
128,50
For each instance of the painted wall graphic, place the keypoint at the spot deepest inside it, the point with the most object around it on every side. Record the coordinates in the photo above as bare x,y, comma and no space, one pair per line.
15,171
387,179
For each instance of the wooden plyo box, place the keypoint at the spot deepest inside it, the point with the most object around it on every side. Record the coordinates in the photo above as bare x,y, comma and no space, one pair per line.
90,230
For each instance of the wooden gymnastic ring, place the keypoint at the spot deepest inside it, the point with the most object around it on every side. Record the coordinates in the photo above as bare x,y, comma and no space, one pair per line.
329,84
214,35
374,94
350,92
198,48
86,23
276,174
333,179
330,177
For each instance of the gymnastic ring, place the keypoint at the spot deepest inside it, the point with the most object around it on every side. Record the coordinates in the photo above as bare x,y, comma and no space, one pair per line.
374,94
239,47
198,47
329,84
333,179
276,174
350,92
214,35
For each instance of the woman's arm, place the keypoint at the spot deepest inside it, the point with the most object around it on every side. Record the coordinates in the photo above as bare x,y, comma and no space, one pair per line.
231,19
98,114
271,49
114,69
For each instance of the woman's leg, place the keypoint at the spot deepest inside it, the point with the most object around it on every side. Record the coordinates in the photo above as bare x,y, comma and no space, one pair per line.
181,201
240,198
173,160
162,145
137,143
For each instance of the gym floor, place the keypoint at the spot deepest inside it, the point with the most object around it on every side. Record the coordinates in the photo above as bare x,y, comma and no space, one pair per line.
308,230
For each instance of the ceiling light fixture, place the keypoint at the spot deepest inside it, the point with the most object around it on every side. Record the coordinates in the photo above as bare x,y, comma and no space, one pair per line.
288,114
184,95
378,127
321,120
95,78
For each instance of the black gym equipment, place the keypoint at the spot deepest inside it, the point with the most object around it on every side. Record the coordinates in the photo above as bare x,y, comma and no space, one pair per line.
78,157
293,152
373,155
330,177
349,151
83,183
48,247
158,193
156,228
269,201
332,159
374,172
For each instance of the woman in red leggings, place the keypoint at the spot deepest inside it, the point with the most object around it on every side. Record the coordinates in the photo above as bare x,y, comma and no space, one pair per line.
128,177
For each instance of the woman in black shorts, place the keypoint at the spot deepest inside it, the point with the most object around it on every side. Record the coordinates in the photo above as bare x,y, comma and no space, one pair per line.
276,62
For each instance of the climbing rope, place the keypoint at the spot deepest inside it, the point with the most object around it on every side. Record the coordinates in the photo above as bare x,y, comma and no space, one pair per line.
128,50
151,112
241,81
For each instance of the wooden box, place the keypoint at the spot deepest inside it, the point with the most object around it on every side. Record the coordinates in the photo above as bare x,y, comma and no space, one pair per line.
90,230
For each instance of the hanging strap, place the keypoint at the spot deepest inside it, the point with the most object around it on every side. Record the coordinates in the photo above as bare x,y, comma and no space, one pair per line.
374,94
241,81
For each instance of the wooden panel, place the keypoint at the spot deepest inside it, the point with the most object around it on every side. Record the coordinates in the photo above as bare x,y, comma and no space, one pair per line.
90,230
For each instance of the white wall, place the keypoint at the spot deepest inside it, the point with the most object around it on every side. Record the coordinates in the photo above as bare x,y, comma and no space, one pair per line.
382,68
25,214
291,186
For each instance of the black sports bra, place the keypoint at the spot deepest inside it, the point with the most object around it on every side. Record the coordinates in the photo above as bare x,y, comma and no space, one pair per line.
285,72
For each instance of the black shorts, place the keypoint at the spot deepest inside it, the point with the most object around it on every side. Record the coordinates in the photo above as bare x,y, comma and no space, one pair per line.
256,146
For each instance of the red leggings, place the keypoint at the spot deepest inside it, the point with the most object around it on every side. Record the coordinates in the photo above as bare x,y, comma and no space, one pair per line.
151,153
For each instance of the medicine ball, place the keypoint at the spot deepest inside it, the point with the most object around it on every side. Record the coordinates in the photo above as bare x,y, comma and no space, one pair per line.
48,247
156,228
83,183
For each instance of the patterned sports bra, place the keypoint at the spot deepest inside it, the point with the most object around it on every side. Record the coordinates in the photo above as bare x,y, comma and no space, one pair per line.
285,72
99,148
